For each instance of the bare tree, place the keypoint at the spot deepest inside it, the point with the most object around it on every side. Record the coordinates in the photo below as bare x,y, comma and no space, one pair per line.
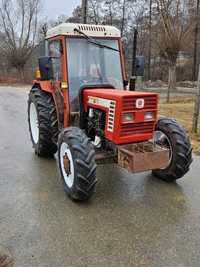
123,17
19,24
150,39
110,13
196,31
165,28
84,11
94,9
76,15
174,31
197,107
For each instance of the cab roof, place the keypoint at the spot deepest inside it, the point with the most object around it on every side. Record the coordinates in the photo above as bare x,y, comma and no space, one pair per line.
89,29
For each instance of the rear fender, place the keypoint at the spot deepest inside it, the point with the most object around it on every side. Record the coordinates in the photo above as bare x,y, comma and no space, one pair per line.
44,85
58,99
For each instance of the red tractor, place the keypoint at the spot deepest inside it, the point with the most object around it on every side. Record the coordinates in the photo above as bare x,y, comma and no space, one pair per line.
80,106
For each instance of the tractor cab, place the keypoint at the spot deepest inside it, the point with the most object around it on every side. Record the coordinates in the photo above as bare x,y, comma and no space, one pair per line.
81,56
92,62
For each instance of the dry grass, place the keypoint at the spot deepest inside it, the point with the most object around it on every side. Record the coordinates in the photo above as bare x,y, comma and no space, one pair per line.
182,110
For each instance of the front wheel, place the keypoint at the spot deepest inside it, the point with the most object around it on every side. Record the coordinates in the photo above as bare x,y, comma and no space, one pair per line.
170,134
77,166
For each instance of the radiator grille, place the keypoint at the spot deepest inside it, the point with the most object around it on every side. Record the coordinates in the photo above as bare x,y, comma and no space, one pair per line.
129,103
137,128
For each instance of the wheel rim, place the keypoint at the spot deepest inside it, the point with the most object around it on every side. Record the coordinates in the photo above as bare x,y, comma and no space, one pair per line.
67,164
34,124
162,140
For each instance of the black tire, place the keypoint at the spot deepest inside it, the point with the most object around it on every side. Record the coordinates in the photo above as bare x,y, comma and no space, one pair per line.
47,121
181,157
83,157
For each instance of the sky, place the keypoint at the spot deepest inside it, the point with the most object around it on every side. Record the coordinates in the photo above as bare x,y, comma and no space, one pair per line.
53,8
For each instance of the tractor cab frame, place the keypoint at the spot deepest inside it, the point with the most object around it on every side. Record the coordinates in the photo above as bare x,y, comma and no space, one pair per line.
73,60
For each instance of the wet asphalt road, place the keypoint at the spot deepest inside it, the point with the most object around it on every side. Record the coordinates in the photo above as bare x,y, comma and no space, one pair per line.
133,220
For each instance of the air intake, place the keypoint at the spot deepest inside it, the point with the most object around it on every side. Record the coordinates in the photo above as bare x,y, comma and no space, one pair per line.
91,28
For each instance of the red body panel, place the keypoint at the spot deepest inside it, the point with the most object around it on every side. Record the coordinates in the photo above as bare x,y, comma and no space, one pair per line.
118,102
44,85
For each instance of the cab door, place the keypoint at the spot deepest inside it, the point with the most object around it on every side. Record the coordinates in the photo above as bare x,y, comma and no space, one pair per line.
56,50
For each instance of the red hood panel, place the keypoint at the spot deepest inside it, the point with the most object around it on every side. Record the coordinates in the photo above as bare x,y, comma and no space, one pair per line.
118,102
113,93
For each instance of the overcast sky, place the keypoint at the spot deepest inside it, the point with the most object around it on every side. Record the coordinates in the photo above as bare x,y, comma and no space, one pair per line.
53,8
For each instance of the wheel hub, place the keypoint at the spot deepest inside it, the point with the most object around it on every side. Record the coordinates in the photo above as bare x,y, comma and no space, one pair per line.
66,163
34,124
161,139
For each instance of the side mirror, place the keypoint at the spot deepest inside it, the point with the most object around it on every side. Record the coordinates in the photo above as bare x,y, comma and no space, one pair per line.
138,71
46,68
140,65
125,82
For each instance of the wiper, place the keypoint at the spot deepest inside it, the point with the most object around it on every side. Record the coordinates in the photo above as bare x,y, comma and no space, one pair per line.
93,41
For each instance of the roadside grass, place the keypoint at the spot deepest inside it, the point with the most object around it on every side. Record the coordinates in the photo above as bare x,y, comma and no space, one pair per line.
182,109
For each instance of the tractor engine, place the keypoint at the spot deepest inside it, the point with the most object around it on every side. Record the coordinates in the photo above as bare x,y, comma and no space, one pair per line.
119,116
96,121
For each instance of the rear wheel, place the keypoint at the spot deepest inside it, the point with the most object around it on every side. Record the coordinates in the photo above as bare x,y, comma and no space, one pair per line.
43,124
77,163
170,134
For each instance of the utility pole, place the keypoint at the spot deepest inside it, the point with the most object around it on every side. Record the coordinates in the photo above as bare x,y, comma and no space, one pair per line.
123,17
150,33
196,30
84,11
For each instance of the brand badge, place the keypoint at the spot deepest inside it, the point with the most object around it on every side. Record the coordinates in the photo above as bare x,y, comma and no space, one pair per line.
140,103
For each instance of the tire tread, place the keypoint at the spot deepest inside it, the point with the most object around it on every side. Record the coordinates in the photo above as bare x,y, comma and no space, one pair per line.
182,150
83,154
48,123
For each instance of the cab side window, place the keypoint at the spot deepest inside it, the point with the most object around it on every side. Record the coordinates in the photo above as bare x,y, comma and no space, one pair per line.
55,53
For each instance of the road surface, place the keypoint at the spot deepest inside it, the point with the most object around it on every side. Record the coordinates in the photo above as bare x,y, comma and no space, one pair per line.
133,220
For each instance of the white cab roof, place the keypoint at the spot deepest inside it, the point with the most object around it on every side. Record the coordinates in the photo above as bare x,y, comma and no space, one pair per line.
91,30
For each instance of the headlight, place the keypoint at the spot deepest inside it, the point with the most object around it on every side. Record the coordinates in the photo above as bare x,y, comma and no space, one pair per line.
128,117
148,116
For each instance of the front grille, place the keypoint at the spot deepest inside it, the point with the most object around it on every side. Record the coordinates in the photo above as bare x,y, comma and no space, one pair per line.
129,102
137,128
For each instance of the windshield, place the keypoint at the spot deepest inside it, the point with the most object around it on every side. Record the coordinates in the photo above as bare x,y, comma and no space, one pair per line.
90,64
